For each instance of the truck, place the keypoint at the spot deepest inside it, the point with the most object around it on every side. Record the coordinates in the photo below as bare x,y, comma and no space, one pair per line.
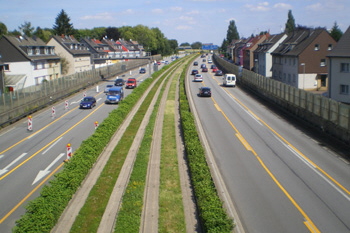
229,80
114,95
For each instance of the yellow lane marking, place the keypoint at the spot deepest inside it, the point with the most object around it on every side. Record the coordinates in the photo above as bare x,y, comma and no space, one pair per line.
309,224
291,146
30,193
44,147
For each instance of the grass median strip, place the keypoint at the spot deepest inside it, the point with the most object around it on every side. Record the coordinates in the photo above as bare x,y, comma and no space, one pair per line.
171,211
90,215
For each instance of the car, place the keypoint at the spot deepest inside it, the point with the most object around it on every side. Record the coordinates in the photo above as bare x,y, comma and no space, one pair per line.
203,65
159,63
87,102
210,61
119,82
131,83
107,88
218,73
205,69
142,70
212,66
166,62
195,63
229,80
114,95
204,60
214,69
204,92
198,78
194,72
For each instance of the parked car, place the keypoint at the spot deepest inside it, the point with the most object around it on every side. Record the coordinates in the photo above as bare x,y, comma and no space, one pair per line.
131,83
198,78
88,102
195,63
114,95
204,92
218,73
205,69
119,82
107,88
194,72
142,70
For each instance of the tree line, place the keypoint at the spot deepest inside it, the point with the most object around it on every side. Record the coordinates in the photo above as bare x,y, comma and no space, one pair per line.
152,39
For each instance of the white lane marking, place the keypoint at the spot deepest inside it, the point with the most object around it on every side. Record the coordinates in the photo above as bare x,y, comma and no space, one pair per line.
43,173
5,169
52,145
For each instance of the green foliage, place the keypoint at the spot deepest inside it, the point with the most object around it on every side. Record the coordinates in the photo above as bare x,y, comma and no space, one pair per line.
62,24
26,29
336,33
212,214
3,29
232,33
290,24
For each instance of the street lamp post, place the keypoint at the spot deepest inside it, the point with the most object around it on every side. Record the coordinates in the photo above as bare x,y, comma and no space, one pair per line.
303,64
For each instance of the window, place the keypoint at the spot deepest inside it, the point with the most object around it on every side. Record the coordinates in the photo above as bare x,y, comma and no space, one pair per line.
344,89
317,47
330,47
37,51
323,62
30,51
344,67
46,50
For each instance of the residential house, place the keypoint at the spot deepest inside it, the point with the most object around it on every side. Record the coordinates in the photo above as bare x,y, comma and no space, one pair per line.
300,60
98,50
248,51
339,70
115,49
76,53
29,61
262,54
238,51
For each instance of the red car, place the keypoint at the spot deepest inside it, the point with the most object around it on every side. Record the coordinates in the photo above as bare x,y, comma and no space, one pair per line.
214,69
205,69
131,83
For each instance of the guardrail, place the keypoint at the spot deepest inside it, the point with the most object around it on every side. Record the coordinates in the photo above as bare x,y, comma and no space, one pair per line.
328,115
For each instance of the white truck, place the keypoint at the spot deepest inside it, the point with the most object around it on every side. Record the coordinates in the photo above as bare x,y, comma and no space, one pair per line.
229,80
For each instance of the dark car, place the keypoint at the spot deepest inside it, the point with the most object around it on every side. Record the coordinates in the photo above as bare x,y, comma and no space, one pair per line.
107,88
218,73
203,65
88,102
119,82
195,63
142,71
212,66
204,92
194,72
205,69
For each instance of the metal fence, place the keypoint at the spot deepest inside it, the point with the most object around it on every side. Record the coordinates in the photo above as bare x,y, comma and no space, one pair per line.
20,103
329,115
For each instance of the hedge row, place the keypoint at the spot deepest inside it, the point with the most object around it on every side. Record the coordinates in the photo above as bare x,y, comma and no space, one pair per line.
213,217
43,212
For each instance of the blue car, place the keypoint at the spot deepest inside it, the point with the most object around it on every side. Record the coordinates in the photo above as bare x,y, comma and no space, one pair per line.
88,102
114,95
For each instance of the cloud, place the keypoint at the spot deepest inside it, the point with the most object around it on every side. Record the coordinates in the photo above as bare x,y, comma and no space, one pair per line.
157,11
105,15
263,6
194,12
282,6
176,8
183,27
315,7
128,12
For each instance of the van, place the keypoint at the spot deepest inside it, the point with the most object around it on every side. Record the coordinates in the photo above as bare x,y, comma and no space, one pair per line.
114,95
229,80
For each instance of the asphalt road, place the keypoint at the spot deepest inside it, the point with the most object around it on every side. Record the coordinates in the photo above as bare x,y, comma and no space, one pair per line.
28,159
279,178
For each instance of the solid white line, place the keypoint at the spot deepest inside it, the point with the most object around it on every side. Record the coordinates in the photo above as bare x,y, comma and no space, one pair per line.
14,161
52,145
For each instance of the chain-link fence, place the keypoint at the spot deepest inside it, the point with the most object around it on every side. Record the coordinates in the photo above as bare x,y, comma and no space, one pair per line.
329,115
17,104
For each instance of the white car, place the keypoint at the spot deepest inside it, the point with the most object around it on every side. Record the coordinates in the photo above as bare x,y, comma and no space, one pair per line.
198,78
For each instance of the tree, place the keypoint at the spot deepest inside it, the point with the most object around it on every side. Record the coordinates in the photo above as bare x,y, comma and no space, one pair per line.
232,33
336,33
196,45
113,33
185,44
62,25
3,29
290,24
173,45
43,34
26,29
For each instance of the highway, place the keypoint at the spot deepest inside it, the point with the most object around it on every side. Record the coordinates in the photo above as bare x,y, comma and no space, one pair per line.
279,178
30,158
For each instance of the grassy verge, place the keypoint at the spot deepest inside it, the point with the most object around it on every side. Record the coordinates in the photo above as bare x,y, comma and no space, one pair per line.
171,211
91,214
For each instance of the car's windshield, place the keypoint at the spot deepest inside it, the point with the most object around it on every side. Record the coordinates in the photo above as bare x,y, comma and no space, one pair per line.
114,92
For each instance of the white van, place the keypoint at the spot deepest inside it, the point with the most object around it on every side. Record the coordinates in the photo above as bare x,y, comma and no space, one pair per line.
229,80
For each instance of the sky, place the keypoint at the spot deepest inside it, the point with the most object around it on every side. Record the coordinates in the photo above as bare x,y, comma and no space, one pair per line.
190,21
